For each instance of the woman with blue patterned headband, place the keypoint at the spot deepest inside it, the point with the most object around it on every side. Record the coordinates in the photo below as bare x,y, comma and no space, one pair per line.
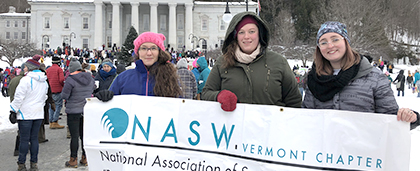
343,79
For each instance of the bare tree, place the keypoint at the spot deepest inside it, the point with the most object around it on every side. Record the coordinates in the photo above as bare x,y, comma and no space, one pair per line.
10,51
20,5
365,20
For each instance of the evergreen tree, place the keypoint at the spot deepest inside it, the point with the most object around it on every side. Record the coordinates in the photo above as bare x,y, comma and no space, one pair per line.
124,56
301,13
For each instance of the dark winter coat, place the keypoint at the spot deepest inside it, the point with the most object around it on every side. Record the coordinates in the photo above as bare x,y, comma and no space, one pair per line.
104,84
368,91
56,78
400,78
268,79
13,85
410,79
76,89
134,81
120,68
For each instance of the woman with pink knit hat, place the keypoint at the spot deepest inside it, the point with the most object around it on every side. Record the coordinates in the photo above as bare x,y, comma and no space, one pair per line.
153,75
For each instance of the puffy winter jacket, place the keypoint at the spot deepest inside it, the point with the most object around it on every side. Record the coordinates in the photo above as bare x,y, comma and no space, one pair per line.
56,78
369,91
77,88
30,96
134,81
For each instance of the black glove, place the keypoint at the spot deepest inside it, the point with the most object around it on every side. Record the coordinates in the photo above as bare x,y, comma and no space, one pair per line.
12,117
104,95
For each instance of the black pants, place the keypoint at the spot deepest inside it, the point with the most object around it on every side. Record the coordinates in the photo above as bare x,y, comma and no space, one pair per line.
5,91
75,123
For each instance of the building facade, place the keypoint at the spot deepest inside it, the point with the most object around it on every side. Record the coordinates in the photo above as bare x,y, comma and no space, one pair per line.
15,26
98,24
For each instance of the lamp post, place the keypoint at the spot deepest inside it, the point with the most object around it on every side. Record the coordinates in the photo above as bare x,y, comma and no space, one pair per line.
74,36
227,17
246,2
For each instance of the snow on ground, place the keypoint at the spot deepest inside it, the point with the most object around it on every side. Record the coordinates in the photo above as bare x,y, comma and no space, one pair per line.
410,100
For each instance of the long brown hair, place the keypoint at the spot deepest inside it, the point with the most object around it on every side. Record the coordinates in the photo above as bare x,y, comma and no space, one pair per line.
230,56
166,79
324,67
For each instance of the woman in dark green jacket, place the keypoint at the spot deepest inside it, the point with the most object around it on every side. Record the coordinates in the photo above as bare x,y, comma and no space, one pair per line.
248,72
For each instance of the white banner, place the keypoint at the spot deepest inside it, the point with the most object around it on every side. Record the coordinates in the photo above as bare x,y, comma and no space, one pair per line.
134,132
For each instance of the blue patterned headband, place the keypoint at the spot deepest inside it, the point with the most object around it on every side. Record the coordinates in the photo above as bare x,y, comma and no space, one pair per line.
332,26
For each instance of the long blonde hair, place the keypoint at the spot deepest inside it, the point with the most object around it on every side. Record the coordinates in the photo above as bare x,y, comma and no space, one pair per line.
324,67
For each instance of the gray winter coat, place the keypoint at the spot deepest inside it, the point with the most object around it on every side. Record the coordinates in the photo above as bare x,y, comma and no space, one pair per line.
369,91
76,89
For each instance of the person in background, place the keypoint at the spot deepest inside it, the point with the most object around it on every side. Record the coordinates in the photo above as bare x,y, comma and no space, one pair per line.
78,86
299,80
248,72
188,81
120,67
86,67
339,77
1,77
152,76
5,83
49,102
204,74
28,103
93,70
416,81
389,77
195,70
401,82
56,79
410,80
106,75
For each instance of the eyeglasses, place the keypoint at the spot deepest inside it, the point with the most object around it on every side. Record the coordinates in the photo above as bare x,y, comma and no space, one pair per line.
152,49
324,44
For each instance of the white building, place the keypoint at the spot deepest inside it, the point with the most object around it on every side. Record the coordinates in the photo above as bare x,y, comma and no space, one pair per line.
96,23
15,26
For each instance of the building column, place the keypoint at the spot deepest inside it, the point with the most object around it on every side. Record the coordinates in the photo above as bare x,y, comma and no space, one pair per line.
116,24
135,15
188,24
172,25
153,17
98,40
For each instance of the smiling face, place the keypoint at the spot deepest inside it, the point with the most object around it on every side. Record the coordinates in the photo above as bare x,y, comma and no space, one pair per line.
148,53
333,48
248,38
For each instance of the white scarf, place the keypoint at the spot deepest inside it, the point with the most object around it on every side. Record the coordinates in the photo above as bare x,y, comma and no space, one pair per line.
245,58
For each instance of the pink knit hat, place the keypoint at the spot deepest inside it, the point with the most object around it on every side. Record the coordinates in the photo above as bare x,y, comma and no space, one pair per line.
195,63
151,37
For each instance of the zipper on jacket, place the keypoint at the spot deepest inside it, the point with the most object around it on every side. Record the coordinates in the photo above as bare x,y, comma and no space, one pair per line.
147,83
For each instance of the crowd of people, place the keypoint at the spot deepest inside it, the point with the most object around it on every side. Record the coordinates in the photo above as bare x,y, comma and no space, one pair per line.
247,72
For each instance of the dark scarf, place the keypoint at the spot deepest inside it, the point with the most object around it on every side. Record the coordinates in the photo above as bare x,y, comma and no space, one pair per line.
324,87
105,74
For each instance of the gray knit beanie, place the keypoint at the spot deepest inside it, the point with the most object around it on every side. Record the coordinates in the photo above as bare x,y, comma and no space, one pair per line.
74,65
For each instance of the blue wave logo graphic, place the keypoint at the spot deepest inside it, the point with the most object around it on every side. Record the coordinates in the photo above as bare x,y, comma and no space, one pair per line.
115,121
